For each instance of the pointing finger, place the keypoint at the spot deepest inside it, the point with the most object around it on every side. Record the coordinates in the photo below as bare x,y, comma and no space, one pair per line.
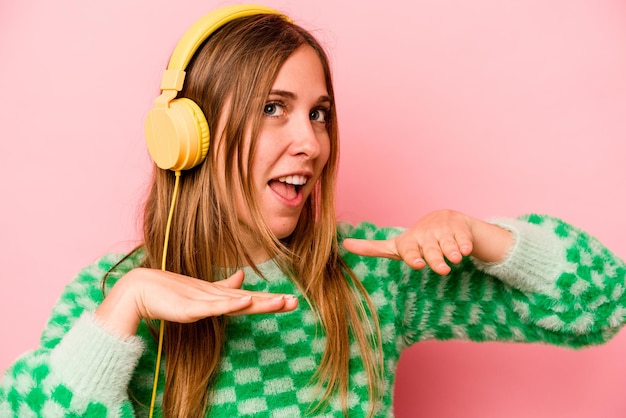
372,248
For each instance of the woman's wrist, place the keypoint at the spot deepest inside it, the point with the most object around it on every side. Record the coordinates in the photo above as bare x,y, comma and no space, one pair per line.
491,243
118,311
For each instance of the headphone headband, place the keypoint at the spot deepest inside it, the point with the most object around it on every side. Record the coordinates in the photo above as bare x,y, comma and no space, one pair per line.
205,26
177,133
191,40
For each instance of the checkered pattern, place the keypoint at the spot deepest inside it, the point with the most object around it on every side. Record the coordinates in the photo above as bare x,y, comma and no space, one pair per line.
270,360
558,286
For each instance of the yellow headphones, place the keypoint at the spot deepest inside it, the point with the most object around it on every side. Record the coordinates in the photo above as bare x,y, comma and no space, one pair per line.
177,133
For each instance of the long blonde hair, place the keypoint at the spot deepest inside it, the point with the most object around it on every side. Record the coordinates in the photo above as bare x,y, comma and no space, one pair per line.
230,78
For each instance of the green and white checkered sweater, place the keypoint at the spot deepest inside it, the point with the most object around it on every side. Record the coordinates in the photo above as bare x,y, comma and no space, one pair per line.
558,285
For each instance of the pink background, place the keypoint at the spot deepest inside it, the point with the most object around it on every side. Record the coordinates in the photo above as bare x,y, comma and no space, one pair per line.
488,107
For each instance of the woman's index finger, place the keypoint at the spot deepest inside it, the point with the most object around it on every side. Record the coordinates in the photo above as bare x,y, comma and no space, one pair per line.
372,248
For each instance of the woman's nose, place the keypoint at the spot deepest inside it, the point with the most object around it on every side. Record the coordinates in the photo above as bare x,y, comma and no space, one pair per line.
305,137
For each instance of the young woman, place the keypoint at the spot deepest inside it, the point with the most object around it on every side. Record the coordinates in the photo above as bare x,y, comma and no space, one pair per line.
270,308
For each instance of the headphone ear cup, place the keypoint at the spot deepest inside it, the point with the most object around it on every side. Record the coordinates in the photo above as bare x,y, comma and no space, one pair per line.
178,136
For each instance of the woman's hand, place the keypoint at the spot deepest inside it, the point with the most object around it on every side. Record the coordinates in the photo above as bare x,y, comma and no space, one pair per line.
444,233
155,294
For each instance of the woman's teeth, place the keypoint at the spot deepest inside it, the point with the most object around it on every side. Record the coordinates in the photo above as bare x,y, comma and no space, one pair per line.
294,180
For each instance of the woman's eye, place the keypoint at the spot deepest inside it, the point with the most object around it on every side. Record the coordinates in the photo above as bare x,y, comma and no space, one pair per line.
273,109
319,115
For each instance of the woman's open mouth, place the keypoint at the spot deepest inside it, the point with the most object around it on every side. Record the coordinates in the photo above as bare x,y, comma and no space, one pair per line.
289,188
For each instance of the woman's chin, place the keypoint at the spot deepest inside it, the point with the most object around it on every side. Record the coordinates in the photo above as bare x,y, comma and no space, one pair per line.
283,230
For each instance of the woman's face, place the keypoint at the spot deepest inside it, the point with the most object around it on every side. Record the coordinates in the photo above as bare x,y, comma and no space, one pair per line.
293,145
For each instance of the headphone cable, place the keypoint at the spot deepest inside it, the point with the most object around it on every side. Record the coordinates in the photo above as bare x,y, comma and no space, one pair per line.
162,322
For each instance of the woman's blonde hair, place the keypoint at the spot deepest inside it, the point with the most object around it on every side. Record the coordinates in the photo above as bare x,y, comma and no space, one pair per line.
230,78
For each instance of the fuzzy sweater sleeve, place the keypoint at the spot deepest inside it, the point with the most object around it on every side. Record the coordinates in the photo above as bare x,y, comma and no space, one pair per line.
558,285
79,369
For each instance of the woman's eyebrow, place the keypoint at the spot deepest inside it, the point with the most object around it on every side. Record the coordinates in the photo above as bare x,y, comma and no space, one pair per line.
292,96
284,93
325,99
